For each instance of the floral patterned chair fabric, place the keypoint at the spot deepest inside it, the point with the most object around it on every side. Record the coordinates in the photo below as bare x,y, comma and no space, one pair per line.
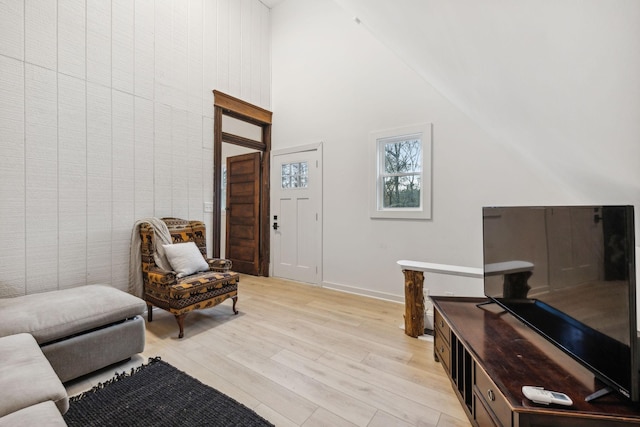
197,291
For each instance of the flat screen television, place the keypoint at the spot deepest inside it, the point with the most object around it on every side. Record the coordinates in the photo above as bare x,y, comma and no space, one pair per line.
568,272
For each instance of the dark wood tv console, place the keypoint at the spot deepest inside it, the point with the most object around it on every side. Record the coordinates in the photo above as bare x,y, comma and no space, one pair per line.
489,355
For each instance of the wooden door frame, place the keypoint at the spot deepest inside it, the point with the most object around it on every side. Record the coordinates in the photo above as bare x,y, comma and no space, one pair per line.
227,105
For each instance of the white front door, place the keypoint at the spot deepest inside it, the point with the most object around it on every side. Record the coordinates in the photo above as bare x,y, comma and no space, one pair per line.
296,183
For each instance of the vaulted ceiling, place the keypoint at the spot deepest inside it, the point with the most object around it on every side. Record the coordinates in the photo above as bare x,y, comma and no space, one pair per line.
556,76
271,3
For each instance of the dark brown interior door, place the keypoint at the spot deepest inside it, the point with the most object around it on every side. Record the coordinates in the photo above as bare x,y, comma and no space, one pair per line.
243,213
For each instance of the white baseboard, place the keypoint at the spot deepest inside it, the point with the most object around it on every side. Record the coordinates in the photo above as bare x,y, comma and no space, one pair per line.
364,292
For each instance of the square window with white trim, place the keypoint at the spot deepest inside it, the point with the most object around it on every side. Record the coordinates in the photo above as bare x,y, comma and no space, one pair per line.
401,173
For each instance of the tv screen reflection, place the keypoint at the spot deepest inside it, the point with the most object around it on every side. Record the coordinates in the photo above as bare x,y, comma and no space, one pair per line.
573,259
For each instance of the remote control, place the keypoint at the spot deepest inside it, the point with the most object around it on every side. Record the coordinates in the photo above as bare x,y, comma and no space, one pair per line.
545,397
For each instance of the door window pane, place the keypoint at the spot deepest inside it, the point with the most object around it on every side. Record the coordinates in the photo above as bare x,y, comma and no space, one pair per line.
295,175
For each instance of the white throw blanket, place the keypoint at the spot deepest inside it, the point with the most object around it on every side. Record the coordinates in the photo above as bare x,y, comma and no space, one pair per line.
161,237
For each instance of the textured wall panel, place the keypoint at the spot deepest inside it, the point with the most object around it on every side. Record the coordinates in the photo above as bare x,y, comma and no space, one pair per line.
195,175
72,181
223,36
41,26
71,37
122,46
195,63
265,58
109,118
207,189
163,53
123,164
179,53
12,28
144,48
246,42
11,112
144,160
180,164
235,38
209,56
99,122
99,258
12,177
255,58
162,160
234,58
123,185
99,184
99,42
41,153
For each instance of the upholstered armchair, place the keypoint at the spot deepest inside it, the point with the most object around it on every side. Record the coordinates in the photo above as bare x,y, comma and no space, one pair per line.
182,291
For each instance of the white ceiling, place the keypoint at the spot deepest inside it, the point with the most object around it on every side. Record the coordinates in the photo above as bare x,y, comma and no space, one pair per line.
271,3
557,76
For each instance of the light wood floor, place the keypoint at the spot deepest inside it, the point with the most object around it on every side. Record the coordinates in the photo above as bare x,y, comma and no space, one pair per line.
300,355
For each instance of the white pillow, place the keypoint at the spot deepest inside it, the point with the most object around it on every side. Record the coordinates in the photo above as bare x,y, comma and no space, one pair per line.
185,258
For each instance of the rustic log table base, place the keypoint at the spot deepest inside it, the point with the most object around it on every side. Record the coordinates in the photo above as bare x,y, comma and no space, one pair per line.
413,303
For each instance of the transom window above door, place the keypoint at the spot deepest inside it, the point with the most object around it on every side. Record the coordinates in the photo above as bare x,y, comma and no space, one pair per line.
295,175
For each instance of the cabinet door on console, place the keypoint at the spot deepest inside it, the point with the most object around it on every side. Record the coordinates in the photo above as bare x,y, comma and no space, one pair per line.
441,341
494,402
482,416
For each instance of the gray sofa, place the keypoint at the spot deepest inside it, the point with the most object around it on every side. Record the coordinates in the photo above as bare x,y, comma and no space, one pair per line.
53,337
30,391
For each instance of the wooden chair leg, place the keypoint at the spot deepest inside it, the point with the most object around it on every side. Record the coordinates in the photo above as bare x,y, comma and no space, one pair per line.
149,312
235,300
180,319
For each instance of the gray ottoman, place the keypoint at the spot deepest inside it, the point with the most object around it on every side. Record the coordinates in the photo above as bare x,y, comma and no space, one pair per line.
79,329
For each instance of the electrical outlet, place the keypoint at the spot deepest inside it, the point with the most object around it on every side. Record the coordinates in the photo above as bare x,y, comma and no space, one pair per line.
208,206
449,294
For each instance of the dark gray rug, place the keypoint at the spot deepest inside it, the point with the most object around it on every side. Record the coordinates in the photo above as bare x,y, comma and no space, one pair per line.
157,394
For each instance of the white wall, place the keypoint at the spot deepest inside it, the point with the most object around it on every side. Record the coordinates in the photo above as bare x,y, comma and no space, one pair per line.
333,81
106,116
